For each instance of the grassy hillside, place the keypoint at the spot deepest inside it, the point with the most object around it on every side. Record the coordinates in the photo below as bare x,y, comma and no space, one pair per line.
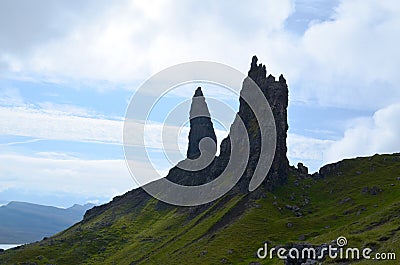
356,198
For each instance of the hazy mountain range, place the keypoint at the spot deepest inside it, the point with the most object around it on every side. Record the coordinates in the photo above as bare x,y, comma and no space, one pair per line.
22,222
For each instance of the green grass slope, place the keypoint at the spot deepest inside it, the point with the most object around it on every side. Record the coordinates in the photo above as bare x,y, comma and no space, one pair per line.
356,198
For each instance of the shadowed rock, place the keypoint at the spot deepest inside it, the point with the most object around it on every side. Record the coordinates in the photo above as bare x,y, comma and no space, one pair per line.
201,149
201,135
276,92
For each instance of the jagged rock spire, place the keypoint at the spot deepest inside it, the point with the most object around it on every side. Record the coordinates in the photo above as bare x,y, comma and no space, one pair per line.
201,126
277,94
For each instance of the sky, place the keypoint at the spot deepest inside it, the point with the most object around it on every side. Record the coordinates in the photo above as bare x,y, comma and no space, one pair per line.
68,70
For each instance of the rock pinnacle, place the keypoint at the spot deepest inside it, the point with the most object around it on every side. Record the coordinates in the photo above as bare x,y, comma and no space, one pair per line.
201,126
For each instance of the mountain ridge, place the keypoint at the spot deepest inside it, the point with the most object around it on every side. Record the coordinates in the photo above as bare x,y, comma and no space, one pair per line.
23,222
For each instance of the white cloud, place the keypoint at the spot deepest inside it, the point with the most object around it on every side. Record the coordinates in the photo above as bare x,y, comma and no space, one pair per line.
71,123
353,55
102,178
364,136
10,97
24,25
129,39
301,147
307,150
367,136
53,124
66,109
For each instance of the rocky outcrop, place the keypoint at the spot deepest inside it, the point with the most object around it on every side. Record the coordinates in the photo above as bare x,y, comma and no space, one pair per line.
302,169
201,147
276,92
201,127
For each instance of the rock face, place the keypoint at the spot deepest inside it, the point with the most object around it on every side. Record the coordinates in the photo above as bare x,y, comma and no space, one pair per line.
201,147
201,127
276,92
302,168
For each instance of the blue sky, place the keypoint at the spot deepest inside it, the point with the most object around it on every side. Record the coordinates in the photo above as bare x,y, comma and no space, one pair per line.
69,68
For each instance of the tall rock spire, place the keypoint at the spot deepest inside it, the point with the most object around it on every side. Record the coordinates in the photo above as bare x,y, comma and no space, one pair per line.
277,94
201,127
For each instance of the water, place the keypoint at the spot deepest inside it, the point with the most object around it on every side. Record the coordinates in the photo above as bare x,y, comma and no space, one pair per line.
7,246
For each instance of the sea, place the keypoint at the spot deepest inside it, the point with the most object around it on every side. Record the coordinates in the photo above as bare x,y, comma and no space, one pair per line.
7,246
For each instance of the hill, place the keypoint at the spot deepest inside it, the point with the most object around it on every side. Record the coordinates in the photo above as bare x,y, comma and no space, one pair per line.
22,222
355,198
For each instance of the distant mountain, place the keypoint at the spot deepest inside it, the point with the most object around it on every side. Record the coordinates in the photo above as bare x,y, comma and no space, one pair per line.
22,222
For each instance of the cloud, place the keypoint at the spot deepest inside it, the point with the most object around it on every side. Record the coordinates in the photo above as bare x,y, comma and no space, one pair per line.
351,54
308,150
363,136
10,97
49,121
354,55
66,109
27,24
130,39
50,175
301,147
370,135
52,124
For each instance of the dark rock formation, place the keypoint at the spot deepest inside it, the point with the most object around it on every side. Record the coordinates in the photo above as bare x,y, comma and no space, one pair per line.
302,168
277,95
201,147
276,92
329,169
373,190
201,127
